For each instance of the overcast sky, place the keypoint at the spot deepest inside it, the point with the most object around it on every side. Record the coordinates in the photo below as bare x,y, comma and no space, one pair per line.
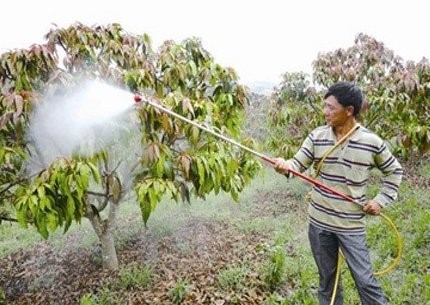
260,39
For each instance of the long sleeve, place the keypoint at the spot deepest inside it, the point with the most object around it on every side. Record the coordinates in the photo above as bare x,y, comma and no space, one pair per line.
393,173
304,156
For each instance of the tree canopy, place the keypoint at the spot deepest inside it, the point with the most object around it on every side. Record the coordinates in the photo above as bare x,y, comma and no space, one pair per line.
173,157
397,97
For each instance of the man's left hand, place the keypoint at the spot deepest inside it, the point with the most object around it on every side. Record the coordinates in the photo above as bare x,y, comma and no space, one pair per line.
372,208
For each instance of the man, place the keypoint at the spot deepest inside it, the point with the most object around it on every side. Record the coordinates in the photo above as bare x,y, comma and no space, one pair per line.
336,223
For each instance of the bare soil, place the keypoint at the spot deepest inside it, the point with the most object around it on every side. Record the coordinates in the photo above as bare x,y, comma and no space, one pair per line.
196,251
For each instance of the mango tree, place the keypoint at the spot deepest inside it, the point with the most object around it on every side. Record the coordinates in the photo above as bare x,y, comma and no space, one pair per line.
171,158
294,111
397,93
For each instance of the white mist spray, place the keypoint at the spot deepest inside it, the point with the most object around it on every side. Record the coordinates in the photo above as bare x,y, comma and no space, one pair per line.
84,121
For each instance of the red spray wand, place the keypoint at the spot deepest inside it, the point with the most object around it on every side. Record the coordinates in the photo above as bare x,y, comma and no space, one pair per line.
138,99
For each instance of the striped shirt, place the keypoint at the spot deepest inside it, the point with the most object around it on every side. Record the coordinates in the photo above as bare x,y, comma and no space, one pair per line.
347,170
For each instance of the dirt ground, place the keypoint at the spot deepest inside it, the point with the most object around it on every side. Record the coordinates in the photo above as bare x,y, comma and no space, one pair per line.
196,251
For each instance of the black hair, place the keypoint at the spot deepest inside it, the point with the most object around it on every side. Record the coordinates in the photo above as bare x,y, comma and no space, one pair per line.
347,94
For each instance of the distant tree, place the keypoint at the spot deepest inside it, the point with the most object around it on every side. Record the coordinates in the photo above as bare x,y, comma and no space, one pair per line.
397,93
294,111
255,125
174,158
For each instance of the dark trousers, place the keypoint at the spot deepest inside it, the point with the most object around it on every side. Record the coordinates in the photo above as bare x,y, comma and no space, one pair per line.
325,249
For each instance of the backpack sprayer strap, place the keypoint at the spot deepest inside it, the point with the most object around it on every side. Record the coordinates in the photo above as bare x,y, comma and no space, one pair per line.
327,153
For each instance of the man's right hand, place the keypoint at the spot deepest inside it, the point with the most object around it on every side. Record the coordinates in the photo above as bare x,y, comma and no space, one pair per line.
282,166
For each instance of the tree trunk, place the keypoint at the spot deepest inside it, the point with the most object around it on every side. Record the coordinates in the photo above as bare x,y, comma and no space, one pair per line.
104,231
110,260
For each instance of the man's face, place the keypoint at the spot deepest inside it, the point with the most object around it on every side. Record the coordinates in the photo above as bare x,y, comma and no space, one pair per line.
335,113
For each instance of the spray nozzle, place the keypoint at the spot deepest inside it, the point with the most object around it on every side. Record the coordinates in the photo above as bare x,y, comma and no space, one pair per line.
137,98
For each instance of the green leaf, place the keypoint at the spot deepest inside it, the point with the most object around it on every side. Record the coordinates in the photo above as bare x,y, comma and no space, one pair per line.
145,208
52,221
234,194
70,206
201,171
94,172
41,192
152,198
2,153
64,184
67,224
41,225
84,171
195,132
21,217
43,202
157,187
141,191
230,99
160,166
32,204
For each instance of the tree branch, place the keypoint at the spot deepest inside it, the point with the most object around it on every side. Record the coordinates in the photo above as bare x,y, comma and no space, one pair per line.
11,184
96,194
6,218
104,204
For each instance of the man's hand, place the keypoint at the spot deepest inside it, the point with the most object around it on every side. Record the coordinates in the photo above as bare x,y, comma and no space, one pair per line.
282,166
372,208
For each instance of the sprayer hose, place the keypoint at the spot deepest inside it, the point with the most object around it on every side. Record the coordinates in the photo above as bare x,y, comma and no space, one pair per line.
391,267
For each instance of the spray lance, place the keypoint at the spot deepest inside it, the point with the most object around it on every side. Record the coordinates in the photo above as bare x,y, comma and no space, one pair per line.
138,99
